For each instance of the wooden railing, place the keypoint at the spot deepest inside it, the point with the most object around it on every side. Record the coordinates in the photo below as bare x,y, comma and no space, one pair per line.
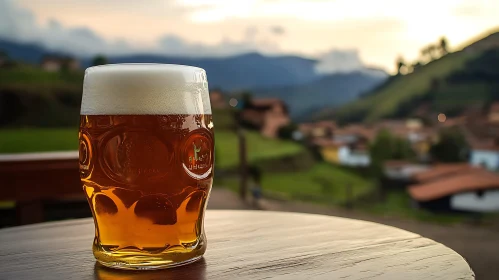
29,179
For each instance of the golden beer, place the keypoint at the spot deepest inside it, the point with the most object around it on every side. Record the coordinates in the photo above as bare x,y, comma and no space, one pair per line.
146,163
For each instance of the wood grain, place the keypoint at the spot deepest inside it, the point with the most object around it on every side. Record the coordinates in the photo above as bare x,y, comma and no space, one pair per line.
245,245
29,179
33,177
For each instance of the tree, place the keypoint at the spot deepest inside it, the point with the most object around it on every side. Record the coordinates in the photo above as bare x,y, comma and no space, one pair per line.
286,132
443,46
4,58
246,98
415,66
99,60
432,52
424,54
386,147
451,147
401,66
3,55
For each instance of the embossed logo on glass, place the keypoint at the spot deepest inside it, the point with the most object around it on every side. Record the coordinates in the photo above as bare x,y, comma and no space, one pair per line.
85,154
197,155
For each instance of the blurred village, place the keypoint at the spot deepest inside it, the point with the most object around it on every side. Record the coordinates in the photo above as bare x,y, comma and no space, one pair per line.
444,164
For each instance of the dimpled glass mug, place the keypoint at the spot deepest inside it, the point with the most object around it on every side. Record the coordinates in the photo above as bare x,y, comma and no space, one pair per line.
146,162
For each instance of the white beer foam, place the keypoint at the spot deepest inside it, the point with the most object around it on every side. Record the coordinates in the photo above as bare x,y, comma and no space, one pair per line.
145,89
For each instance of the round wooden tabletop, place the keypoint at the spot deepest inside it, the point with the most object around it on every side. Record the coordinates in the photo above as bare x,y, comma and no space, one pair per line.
244,245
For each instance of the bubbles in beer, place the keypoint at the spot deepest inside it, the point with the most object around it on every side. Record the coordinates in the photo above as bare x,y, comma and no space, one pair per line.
146,160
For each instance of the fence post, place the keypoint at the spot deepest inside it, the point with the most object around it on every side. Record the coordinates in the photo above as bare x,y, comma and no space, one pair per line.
349,193
243,164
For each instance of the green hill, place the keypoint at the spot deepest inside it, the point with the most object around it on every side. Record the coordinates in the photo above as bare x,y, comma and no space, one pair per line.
450,85
32,97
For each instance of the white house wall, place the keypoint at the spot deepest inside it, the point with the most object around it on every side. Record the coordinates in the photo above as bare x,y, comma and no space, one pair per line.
470,201
488,159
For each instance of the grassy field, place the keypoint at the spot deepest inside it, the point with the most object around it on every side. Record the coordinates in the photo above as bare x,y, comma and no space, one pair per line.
38,140
398,204
323,183
259,148
29,75
41,140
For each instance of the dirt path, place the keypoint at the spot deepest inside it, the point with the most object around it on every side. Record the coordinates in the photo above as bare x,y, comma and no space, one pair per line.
479,246
221,198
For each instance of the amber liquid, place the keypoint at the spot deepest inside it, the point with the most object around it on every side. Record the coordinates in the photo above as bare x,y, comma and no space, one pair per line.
147,179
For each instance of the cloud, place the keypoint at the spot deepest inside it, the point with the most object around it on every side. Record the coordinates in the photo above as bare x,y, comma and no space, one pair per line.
250,33
15,23
18,24
175,45
469,10
339,61
277,30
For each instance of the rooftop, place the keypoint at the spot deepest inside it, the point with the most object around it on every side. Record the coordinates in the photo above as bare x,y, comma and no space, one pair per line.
439,171
470,180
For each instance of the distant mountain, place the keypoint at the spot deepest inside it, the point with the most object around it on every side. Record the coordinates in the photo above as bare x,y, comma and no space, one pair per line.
30,53
246,71
329,91
291,78
241,71
453,84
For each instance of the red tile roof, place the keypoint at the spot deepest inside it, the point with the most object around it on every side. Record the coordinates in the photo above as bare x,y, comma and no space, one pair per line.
442,170
321,124
359,130
472,180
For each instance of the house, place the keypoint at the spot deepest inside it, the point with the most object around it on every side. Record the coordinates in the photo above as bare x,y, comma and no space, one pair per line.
328,149
343,153
350,146
410,129
51,63
439,171
485,154
322,129
217,100
400,170
267,115
473,190
355,155
354,133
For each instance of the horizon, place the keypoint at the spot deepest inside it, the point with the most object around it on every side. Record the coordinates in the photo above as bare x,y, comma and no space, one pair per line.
373,37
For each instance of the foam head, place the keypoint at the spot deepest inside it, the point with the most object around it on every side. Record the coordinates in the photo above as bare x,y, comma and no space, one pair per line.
145,89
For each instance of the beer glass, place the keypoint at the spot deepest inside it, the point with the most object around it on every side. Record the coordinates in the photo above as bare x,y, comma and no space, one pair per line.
146,162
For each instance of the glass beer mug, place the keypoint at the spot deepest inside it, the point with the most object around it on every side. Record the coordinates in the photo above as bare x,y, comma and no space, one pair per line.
146,162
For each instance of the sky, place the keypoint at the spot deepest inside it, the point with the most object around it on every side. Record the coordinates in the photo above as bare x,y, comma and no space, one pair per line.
342,34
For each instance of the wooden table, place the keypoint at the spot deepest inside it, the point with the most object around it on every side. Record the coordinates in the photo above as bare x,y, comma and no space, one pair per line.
244,245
